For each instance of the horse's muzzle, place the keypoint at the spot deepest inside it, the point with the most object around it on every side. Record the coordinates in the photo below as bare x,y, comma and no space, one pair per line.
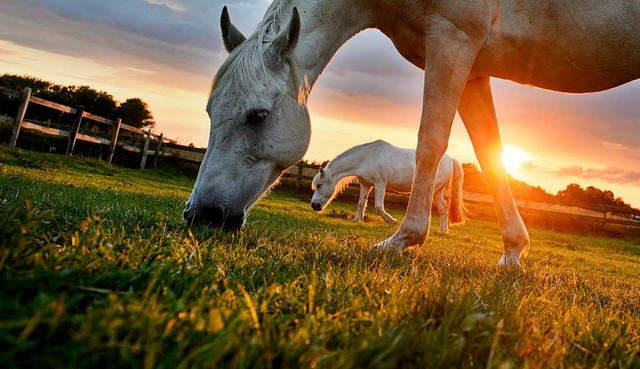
316,206
214,216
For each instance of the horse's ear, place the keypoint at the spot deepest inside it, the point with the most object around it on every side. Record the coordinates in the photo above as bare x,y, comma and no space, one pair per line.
287,40
231,36
321,171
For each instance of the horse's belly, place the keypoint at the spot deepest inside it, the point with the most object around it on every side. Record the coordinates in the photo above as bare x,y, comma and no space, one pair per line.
400,188
559,73
400,180
564,45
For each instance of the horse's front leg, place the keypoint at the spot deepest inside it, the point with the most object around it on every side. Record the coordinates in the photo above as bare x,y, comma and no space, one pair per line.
449,57
362,201
478,113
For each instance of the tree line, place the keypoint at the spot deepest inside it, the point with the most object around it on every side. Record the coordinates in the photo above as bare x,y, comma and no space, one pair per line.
133,111
574,195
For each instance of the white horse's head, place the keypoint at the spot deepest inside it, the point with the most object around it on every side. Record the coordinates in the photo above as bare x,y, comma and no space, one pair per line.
324,189
259,121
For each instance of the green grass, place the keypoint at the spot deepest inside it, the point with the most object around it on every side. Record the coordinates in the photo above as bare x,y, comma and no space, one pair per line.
98,270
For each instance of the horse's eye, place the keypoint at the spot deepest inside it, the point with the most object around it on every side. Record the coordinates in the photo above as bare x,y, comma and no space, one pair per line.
256,116
318,186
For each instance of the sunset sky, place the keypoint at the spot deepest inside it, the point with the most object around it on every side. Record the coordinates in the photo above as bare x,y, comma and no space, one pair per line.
167,51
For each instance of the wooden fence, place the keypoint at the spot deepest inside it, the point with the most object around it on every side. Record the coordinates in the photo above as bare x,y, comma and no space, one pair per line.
302,172
159,149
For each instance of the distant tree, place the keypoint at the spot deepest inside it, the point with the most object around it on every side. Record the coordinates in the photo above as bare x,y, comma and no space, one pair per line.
594,198
136,112
97,102
61,94
473,176
537,193
573,194
104,105
18,83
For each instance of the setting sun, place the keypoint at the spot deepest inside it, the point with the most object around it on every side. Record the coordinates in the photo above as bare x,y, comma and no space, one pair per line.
513,157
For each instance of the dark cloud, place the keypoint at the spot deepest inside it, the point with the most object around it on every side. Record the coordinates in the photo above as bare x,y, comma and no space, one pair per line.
372,53
179,31
85,34
369,65
183,22
609,174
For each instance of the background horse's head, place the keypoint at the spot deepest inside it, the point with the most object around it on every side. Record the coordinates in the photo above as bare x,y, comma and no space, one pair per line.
324,189
259,121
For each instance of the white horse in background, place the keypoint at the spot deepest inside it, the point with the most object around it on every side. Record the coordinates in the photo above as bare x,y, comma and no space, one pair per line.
383,166
260,124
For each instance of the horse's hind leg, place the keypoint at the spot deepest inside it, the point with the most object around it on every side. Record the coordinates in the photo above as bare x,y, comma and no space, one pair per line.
438,197
362,201
478,114
380,188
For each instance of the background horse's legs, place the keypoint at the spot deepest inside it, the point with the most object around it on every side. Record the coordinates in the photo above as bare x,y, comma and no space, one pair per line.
380,188
478,113
362,201
438,196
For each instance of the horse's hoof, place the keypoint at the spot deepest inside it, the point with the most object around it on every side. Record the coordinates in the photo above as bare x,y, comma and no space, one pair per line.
402,239
394,243
510,260
356,219
388,244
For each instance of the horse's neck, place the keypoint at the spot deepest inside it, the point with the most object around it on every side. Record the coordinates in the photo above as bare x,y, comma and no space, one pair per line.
346,164
326,26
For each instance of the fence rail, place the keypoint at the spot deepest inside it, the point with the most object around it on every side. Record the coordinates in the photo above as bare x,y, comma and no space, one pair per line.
165,147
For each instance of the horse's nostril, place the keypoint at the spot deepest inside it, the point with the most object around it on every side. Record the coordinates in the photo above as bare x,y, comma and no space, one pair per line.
215,216
316,206
233,223
188,214
211,215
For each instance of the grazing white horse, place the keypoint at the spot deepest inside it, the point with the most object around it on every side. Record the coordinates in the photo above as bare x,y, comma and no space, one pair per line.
383,166
258,101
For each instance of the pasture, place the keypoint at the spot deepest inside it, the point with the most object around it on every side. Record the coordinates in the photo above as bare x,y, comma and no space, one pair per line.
97,269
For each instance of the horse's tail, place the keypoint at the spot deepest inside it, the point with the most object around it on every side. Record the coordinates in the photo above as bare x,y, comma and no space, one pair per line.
457,211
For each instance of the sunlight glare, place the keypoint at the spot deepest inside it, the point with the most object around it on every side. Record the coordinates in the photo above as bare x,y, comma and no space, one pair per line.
512,158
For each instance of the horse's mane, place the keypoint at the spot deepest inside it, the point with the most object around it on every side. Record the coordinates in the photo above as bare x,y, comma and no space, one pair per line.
241,61
343,184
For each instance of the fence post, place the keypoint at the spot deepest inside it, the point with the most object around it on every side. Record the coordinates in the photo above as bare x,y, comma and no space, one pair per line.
145,151
299,176
22,109
114,139
158,147
74,131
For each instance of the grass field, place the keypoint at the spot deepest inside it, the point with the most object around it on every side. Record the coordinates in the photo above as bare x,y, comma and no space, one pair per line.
97,269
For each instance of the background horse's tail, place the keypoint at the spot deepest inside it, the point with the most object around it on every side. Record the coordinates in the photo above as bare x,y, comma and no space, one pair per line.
457,211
